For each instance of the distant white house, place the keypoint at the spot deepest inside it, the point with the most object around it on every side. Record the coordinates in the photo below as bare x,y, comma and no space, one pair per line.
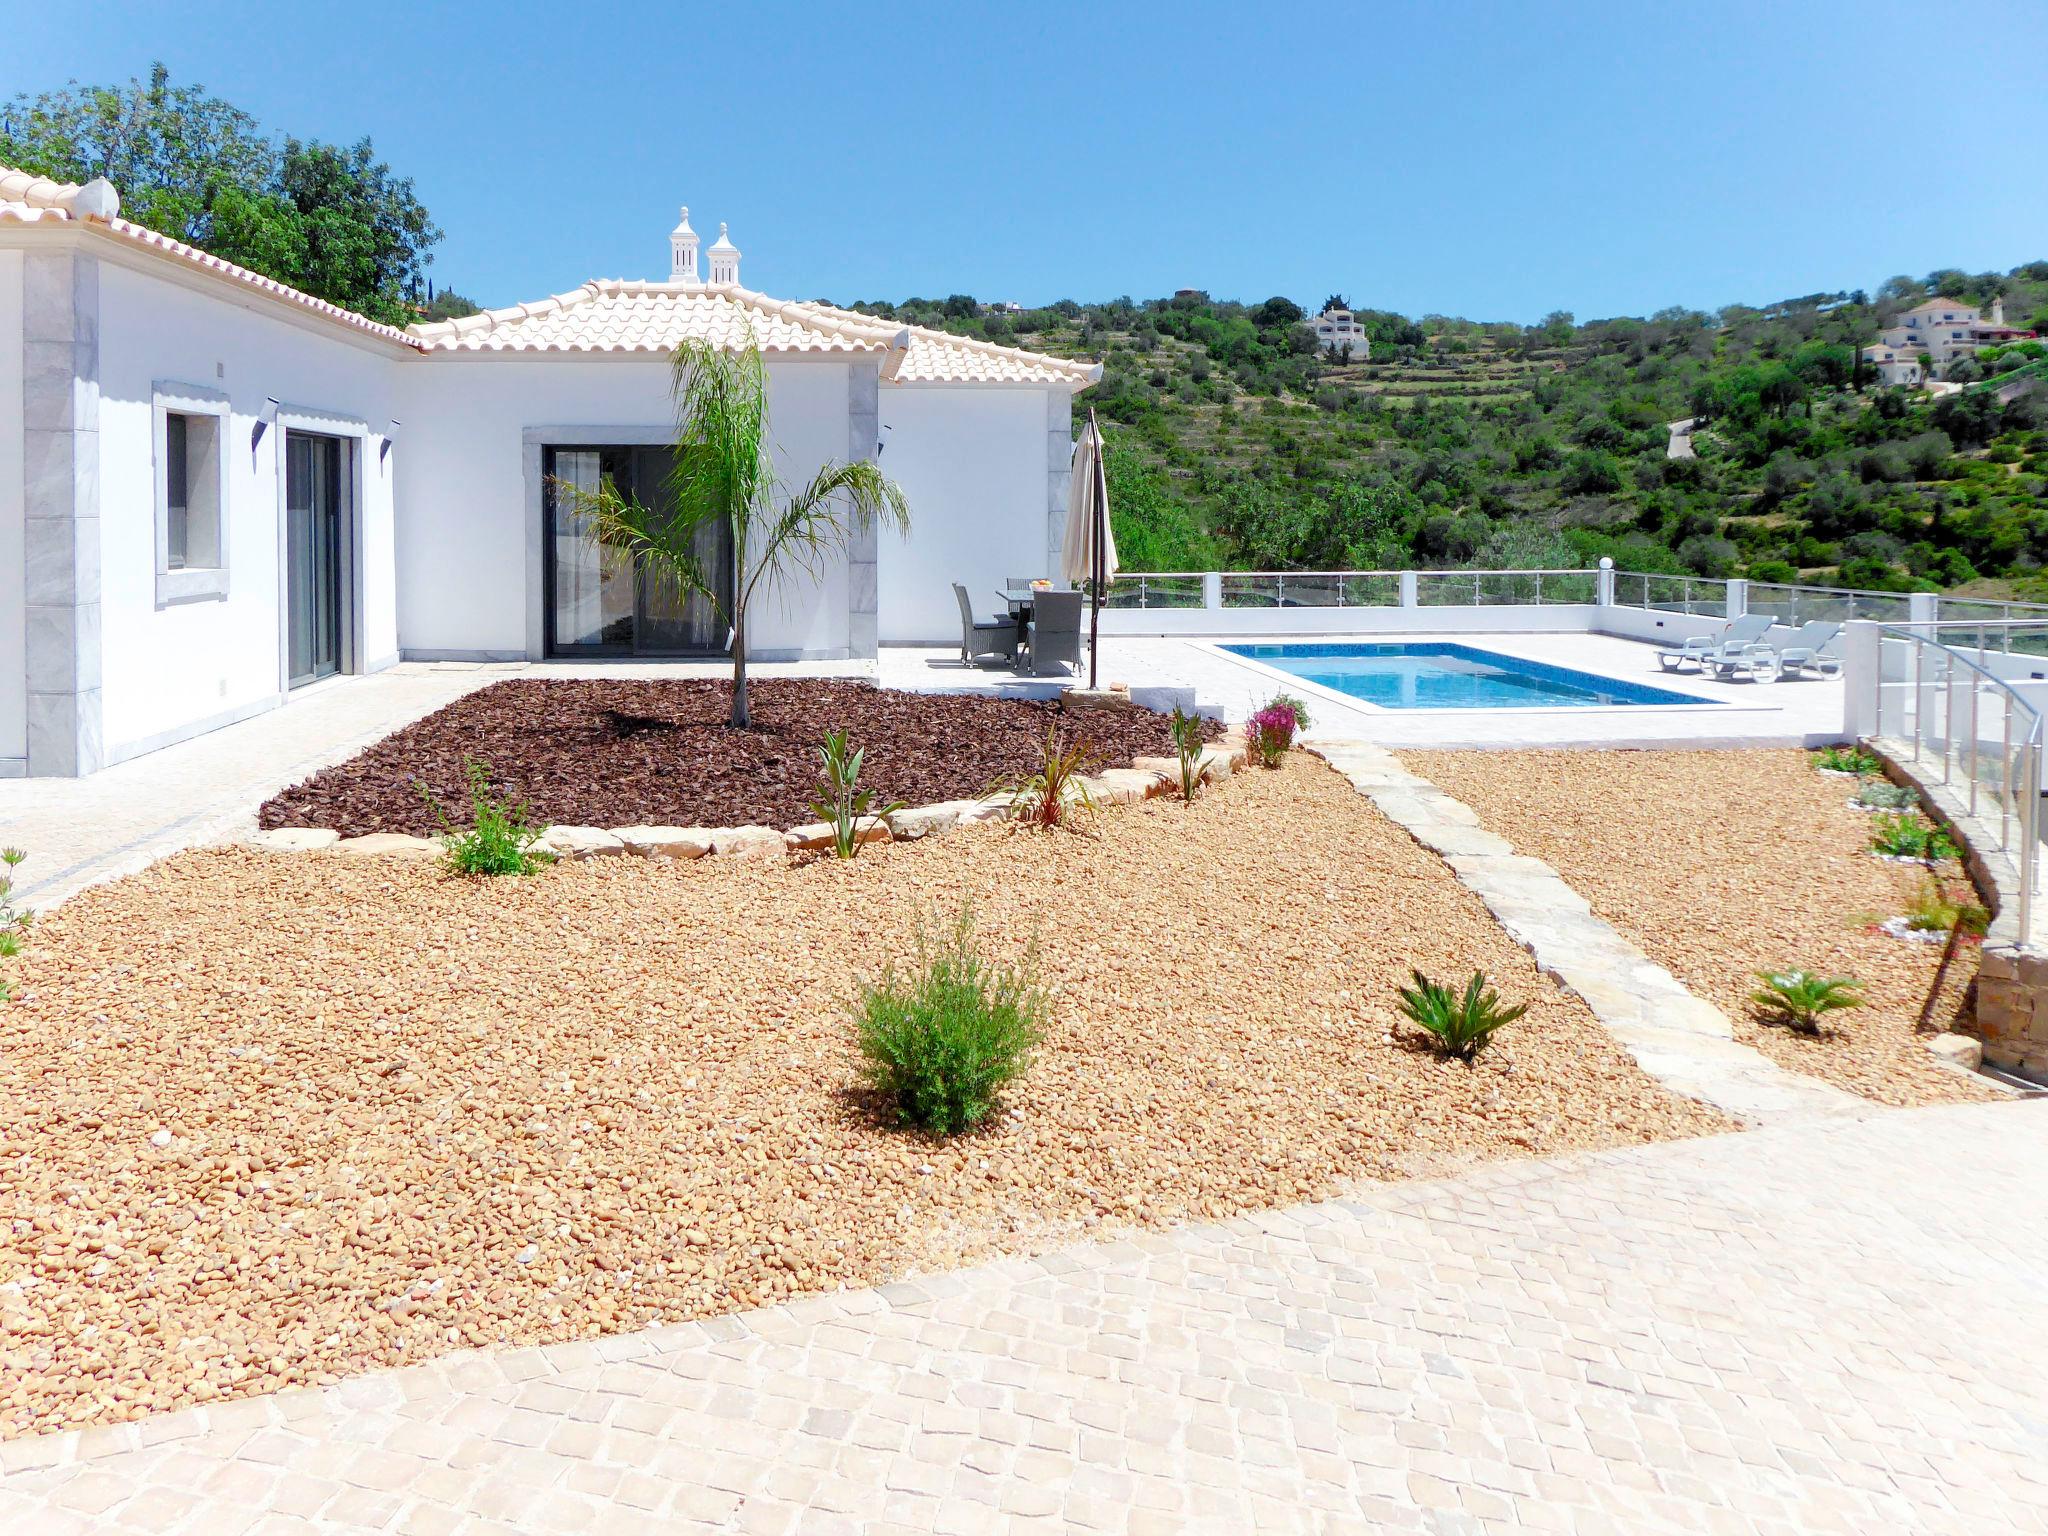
1940,331
219,490
1339,334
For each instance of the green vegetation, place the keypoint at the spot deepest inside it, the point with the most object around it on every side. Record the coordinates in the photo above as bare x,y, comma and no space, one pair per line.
722,474
1854,760
1187,749
14,920
1232,444
499,839
1054,791
1462,1024
1880,795
1800,998
1932,911
329,219
1906,836
942,1043
840,802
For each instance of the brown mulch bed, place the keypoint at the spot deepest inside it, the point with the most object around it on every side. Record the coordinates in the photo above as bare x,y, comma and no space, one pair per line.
611,753
268,1120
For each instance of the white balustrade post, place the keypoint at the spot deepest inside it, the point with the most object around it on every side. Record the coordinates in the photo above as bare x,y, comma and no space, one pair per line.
1921,608
1862,677
1738,597
1212,590
1603,584
1408,598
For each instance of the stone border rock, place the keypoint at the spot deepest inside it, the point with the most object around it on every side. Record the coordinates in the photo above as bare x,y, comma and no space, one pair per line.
1682,1040
1145,778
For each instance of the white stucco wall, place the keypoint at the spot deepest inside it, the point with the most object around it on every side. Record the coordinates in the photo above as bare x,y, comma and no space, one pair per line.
171,669
974,465
470,580
13,588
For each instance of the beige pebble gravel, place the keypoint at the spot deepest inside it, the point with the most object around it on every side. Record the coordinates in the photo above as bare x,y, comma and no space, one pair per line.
268,1121
1721,864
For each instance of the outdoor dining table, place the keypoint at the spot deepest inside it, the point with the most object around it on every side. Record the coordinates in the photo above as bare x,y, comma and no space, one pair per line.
1020,613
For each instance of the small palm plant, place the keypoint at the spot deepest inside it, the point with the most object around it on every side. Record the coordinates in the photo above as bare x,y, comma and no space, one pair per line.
1461,1023
14,920
1800,998
722,474
499,839
1049,795
1187,746
840,802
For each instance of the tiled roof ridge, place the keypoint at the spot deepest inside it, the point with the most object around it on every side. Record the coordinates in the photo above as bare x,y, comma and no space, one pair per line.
36,191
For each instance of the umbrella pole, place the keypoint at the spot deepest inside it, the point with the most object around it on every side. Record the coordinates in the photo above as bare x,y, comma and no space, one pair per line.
1097,496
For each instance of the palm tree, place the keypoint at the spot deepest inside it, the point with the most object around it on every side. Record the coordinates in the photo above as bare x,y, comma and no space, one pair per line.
722,476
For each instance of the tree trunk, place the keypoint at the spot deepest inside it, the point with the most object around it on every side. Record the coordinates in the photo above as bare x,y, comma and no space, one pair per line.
741,716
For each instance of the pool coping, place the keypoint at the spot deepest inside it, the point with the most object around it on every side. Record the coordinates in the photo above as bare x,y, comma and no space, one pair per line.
1715,707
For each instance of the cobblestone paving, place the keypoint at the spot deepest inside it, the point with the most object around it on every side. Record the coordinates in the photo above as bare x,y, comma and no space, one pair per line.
1826,1325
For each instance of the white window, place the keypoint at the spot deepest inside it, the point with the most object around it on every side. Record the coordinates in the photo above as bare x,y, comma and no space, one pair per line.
191,457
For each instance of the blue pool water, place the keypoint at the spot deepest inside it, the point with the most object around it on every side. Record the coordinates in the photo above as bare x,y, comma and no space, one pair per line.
1430,674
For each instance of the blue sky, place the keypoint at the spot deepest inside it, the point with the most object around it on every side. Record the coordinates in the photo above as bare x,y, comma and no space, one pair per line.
1490,160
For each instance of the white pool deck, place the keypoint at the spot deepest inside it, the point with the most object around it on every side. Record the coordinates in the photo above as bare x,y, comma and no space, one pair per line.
1804,712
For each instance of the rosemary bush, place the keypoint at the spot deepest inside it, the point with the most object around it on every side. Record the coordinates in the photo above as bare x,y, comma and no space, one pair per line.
941,1042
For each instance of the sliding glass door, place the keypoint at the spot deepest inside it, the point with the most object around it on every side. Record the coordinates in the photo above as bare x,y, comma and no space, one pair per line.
600,601
313,555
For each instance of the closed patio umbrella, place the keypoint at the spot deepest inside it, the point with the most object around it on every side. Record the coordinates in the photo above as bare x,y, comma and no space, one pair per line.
1089,552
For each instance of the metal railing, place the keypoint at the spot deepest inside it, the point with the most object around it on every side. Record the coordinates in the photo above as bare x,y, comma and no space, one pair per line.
1311,589
1701,595
1485,589
1155,590
1800,605
1951,702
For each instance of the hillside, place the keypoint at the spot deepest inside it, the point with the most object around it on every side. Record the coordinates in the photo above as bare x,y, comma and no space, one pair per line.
1233,444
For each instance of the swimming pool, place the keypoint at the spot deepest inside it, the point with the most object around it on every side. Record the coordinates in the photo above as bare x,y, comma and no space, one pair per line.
1436,674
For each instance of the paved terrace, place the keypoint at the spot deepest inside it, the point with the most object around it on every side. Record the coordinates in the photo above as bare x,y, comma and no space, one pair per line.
1822,1326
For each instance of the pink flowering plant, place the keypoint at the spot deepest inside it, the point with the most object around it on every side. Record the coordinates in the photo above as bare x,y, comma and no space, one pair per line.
1270,732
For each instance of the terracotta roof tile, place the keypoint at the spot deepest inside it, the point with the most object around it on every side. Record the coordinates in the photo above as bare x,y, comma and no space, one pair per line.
626,316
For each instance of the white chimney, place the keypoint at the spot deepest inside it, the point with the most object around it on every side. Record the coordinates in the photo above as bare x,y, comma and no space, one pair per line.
682,251
725,259
1998,310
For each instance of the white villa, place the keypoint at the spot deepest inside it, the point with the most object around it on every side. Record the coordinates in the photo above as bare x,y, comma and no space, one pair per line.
1940,330
216,490
1338,331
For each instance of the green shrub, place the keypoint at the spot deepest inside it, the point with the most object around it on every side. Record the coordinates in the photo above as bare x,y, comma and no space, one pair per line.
1046,797
14,920
1187,746
499,839
941,1043
1931,910
1799,998
1462,1024
1881,795
1847,760
840,802
1906,836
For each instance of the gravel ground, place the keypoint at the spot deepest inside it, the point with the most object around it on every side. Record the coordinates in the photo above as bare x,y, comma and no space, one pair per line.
1720,864
598,753
272,1119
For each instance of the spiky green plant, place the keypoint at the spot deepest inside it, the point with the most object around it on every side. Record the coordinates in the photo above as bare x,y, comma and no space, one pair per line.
722,475
1461,1023
1051,793
1850,759
840,802
1906,836
499,839
941,1042
14,921
1187,746
1800,998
